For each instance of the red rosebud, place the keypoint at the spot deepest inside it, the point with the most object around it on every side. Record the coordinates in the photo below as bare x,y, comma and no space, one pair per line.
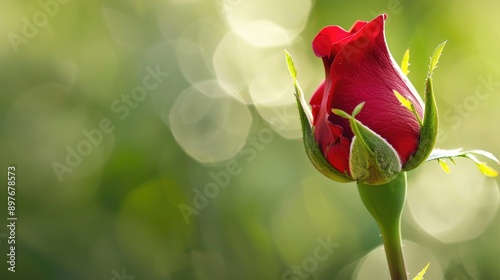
360,69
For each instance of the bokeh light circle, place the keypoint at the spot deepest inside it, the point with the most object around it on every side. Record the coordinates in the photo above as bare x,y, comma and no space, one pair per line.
271,82
193,61
283,119
272,89
267,23
235,63
448,206
209,129
374,264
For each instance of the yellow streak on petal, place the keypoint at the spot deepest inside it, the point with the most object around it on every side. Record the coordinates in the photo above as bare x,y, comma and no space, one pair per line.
405,102
406,62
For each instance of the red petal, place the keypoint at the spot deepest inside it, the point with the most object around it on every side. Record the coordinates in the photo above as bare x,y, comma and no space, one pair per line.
316,101
323,42
357,26
359,69
337,155
364,71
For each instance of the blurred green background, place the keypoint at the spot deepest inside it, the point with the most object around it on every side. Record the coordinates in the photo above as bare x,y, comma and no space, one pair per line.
159,139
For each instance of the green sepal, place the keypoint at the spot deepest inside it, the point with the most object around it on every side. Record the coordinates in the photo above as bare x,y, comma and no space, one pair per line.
310,144
429,127
298,91
372,159
440,155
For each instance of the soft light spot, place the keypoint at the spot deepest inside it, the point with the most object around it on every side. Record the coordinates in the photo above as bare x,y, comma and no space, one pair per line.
267,23
209,129
448,206
374,264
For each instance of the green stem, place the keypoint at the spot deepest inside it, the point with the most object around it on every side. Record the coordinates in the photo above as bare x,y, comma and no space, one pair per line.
385,203
394,253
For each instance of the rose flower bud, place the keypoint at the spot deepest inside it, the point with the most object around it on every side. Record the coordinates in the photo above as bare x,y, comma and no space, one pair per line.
360,121
368,124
